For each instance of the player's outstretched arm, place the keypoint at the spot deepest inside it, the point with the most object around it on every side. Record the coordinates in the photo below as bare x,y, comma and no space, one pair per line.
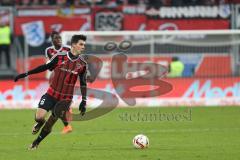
36,70
83,87
22,75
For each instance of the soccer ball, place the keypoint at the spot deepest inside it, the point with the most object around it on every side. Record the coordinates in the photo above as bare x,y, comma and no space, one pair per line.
140,141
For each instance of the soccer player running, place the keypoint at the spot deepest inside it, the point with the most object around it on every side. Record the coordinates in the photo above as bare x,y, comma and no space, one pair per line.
66,67
57,47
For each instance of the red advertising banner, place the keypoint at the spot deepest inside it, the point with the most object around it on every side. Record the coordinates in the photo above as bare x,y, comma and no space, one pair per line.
107,20
187,24
134,22
191,87
182,88
204,87
141,22
36,29
125,18
205,91
74,23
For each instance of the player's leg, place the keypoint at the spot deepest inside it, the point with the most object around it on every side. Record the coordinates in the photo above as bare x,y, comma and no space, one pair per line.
67,127
61,110
65,123
45,104
47,128
40,120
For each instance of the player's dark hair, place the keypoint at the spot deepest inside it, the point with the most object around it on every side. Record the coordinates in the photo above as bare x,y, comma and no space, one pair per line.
54,33
76,38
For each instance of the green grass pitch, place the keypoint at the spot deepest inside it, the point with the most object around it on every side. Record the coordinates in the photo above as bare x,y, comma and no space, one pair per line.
175,133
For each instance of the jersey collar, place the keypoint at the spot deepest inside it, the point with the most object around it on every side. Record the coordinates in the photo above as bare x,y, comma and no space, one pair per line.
72,57
58,49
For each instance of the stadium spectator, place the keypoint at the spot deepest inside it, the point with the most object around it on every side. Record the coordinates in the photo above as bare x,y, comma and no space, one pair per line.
70,2
154,4
132,2
187,2
210,2
176,2
5,42
150,3
35,2
166,2
61,2
111,3
25,2
193,2
176,68
77,3
95,2
231,1
6,2
52,2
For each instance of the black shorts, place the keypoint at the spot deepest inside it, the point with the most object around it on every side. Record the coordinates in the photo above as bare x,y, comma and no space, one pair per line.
57,107
47,102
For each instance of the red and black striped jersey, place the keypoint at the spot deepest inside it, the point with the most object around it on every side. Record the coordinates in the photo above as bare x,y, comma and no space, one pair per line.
66,68
50,51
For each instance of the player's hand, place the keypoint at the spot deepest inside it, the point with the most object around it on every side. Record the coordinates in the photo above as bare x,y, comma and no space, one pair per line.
82,107
20,76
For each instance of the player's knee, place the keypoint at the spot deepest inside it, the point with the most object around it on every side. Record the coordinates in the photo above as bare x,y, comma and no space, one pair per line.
39,119
40,115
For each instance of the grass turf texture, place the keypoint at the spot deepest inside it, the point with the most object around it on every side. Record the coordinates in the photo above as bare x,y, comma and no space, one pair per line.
210,133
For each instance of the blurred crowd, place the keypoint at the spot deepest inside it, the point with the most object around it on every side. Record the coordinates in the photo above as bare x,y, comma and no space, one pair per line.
155,3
